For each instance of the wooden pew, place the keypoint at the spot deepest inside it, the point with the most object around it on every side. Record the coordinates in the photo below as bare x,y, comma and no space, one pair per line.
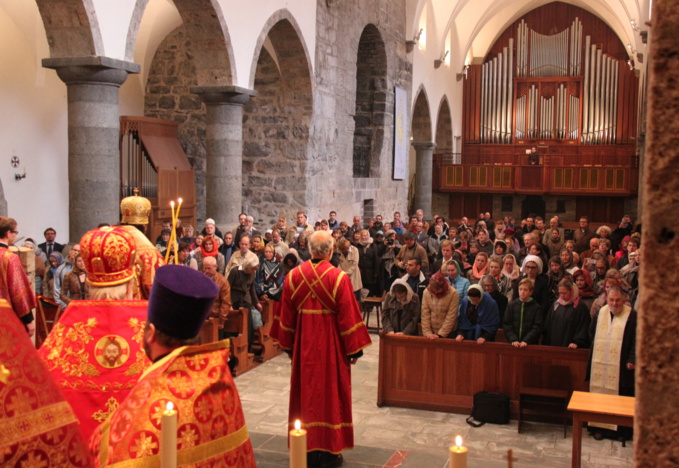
237,324
263,336
210,331
444,375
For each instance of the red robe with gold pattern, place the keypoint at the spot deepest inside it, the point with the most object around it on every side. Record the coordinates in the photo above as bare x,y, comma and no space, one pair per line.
37,426
15,287
211,430
148,260
96,356
321,323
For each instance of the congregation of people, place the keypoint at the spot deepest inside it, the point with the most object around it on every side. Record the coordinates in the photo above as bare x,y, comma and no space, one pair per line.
426,272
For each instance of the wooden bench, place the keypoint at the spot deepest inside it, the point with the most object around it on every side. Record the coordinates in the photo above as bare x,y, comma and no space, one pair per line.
596,407
444,375
236,324
268,345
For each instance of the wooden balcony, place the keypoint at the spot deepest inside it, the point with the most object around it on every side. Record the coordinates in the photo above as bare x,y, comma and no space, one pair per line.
601,171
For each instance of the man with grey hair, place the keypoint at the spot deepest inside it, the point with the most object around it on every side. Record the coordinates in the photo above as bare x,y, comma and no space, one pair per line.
322,331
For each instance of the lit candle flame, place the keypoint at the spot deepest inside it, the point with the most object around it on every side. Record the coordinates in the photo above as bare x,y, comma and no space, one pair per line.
298,425
172,203
169,406
180,201
458,441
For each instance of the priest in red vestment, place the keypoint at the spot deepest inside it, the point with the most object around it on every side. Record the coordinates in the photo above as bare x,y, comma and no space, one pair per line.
15,286
134,220
211,430
37,426
94,352
322,330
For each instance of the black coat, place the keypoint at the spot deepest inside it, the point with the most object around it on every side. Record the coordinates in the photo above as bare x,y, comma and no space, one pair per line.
567,324
532,322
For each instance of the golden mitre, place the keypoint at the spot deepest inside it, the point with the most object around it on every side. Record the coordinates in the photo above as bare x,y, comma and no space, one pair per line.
135,209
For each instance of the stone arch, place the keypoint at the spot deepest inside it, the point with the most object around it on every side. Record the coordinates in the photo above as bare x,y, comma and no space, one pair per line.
71,27
278,16
276,127
421,121
444,128
371,102
209,43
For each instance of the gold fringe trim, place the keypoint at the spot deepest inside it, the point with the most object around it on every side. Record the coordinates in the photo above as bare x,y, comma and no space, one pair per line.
352,329
14,430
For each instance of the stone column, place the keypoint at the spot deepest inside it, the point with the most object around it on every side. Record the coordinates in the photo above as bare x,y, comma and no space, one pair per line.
3,202
92,85
656,420
224,148
424,156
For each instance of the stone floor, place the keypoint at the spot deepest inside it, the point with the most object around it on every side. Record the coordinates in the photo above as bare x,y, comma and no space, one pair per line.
392,437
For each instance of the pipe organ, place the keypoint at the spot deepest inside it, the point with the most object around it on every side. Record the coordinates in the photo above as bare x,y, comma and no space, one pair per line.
562,86
153,161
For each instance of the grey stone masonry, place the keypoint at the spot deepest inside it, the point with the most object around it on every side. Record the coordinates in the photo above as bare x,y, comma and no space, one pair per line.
93,138
424,153
224,147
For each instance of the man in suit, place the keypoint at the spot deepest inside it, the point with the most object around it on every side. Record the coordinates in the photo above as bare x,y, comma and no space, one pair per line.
49,245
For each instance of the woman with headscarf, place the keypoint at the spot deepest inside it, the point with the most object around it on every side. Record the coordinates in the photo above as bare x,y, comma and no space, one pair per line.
489,285
522,321
439,308
479,268
554,276
75,286
209,249
567,263
583,280
400,310
532,269
484,242
567,321
622,250
55,260
257,246
510,273
269,278
504,284
555,242
479,318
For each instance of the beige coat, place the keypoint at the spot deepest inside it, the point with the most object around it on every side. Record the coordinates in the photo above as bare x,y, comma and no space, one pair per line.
439,316
349,265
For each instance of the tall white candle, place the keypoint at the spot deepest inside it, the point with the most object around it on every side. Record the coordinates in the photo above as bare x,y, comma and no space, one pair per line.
168,437
298,446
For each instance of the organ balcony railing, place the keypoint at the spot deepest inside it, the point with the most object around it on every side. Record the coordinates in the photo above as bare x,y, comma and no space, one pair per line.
601,172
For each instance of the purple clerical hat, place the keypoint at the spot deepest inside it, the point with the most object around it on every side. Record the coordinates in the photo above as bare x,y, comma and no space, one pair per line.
181,299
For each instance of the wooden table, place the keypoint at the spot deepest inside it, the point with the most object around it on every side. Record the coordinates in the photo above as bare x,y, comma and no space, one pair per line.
596,407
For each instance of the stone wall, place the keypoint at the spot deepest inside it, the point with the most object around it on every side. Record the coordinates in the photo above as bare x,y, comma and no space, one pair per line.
276,132
171,75
331,184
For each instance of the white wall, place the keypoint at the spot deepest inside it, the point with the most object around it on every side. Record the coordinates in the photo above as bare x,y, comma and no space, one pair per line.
34,125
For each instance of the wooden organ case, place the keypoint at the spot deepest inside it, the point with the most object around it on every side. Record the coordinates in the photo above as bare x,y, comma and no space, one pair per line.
152,160
558,79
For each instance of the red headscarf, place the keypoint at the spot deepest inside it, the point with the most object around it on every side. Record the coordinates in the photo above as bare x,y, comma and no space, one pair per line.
215,250
588,290
443,286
